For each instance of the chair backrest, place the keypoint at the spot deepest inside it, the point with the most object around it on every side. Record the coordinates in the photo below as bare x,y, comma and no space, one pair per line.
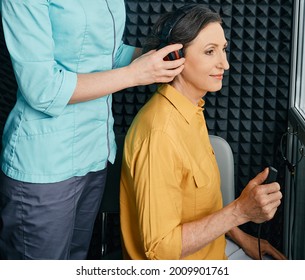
225,161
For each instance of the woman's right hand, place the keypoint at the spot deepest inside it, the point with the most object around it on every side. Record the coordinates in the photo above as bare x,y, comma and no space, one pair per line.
151,67
258,202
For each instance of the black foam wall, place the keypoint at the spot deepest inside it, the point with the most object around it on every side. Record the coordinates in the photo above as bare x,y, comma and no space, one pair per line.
250,111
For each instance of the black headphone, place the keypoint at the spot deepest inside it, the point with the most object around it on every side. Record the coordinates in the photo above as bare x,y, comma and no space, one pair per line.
168,26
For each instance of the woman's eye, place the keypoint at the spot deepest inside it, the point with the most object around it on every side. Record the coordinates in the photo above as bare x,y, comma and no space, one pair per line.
209,52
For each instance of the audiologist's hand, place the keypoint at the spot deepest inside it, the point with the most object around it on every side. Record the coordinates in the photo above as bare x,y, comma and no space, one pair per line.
258,202
151,68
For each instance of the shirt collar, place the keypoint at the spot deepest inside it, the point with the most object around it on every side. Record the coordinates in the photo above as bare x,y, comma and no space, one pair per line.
186,108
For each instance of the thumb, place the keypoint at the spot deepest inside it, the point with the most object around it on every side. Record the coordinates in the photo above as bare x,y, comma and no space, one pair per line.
261,177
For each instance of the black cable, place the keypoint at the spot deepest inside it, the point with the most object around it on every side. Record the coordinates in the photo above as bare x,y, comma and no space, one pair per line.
259,241
292,212
291,168
292,199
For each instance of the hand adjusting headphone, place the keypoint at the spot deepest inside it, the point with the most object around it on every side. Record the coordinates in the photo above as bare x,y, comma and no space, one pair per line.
168,26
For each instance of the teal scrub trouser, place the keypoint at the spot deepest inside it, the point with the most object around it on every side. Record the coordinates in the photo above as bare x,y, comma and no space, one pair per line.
49,221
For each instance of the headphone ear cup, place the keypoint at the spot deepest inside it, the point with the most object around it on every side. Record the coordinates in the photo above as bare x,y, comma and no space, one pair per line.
180,53
175,55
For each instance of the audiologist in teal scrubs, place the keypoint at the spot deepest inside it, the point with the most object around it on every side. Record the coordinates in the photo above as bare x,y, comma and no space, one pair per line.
68,58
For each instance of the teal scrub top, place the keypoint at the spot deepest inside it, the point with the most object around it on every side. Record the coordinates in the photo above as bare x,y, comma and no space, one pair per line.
45,139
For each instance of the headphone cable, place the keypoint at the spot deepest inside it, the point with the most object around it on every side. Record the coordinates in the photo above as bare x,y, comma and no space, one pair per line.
291,167
259,241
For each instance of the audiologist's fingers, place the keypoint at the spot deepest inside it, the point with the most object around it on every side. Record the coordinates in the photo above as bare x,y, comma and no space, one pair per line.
169,48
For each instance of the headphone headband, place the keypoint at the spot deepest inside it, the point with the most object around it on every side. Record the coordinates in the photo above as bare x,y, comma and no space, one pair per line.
172,21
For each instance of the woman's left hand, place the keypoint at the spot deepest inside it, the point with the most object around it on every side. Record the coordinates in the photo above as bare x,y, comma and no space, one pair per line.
250,246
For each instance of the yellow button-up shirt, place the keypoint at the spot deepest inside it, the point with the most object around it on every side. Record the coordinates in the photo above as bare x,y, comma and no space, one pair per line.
169,177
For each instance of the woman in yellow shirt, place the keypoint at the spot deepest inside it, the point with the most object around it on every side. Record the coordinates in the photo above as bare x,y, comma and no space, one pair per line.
171,203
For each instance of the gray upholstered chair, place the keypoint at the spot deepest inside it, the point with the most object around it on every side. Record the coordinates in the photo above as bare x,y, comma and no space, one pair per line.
110,203
225,161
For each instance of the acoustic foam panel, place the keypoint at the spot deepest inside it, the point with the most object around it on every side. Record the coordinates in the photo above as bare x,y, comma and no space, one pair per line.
251,109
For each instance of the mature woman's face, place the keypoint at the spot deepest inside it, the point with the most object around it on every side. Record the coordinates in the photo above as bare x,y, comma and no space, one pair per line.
205,63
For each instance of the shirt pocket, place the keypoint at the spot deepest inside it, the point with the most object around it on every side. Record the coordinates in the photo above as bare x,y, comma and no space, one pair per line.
38,123
205,170
206,194
201,179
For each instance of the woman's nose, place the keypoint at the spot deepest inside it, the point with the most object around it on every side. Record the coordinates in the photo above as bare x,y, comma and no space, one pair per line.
223,63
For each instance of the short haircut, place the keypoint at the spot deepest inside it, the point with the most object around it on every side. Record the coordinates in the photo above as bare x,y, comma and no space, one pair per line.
185,30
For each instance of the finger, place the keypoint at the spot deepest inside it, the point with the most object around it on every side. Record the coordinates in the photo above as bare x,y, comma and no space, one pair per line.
266,194
272,187
273,252
273,206
267,190
169,48
269,211
279,256
274,197
171,72
260,177
173,64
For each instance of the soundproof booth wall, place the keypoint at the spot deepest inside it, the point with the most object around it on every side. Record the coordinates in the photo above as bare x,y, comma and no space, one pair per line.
250,111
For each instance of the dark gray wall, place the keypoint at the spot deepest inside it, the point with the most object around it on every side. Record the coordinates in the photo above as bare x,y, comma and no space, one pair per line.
251,109
250,112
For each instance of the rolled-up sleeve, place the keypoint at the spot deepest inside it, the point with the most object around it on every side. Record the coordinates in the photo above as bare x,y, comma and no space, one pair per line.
124,55
43,82
158,195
